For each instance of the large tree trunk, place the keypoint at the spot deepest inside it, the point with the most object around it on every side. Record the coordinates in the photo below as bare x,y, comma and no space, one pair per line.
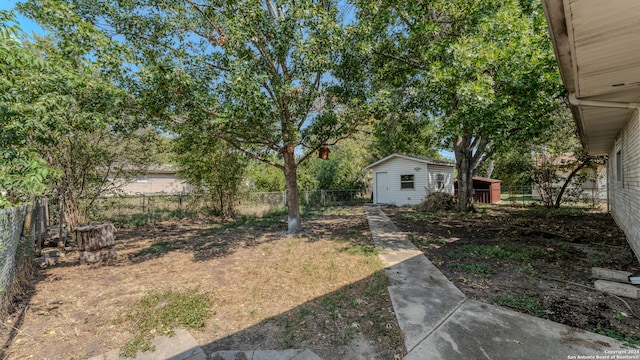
468,153
294,224
465,180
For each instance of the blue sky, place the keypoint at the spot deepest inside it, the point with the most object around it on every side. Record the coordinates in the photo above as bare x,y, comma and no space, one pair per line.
28,26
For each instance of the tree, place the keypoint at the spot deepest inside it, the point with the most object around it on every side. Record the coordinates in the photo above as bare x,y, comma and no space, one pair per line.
23,173
400,129
63,115
559,162
259,75
483,71
345,168
214,168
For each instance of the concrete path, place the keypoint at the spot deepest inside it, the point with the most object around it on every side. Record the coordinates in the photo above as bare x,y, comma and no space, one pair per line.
439,322
182,346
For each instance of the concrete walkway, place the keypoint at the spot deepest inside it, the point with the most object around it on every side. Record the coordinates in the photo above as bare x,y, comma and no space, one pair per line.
439,322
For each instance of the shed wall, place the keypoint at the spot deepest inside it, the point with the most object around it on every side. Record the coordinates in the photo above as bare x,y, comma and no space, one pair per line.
625,192
434,170
424,178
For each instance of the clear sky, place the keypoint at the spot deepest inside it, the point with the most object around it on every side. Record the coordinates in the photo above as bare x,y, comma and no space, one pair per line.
28,26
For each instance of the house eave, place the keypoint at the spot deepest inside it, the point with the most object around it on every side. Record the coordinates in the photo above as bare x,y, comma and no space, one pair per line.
596,51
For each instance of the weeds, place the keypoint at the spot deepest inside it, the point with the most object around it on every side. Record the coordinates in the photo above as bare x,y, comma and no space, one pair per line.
474,268
628,339
162,313
522,302
424,240
503,252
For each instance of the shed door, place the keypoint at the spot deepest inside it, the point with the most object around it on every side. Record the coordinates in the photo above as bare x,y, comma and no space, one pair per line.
382,188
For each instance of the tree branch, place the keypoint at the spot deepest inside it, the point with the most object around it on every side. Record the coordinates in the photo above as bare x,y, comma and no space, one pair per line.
409,62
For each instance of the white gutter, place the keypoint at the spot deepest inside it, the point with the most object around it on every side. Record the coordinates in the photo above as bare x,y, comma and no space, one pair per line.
573,100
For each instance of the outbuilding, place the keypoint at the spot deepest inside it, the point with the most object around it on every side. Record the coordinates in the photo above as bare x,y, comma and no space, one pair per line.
406,180
485,190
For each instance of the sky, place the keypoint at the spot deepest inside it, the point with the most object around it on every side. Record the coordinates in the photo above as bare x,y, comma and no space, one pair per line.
28,26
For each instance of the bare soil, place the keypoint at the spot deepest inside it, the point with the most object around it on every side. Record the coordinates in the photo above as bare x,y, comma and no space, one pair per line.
323,290
533,260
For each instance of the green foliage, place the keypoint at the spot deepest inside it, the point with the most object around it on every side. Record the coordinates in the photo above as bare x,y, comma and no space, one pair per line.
503,252
161,313
482,72
345,168
522,302
265,178
264,77
66,126
627,339
212,167
474,268
23,173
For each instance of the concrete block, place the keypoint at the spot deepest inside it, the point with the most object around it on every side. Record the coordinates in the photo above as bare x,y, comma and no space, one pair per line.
613,275
615,288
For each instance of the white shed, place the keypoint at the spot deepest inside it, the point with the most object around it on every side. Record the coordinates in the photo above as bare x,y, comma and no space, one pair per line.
406,180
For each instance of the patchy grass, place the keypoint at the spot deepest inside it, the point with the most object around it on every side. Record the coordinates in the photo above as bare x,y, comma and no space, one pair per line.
474,268
502,252
268,290
162,313
628,339
522,302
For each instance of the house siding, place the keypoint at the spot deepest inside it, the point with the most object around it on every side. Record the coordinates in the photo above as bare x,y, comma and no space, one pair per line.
624,194
155,183
424,179
434,170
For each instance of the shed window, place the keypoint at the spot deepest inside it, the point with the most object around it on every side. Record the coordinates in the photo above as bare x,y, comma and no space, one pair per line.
406,182
440,181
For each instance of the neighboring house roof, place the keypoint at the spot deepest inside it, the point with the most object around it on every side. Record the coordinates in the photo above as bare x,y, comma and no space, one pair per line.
424,160
597,49
162,169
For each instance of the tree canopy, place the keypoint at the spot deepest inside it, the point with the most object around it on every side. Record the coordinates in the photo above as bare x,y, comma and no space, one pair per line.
261,76
482,71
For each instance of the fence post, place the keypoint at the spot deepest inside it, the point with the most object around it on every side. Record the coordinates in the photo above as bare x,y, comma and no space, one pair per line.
323,196
522,196
149,210
284,198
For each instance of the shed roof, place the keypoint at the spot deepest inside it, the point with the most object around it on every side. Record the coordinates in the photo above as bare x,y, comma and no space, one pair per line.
423,160
484,179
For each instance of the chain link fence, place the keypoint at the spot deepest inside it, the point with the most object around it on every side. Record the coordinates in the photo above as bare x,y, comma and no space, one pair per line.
142,209
13,249
573,196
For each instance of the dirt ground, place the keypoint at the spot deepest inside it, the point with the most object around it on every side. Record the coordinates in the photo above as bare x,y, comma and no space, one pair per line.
532,260
324,290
